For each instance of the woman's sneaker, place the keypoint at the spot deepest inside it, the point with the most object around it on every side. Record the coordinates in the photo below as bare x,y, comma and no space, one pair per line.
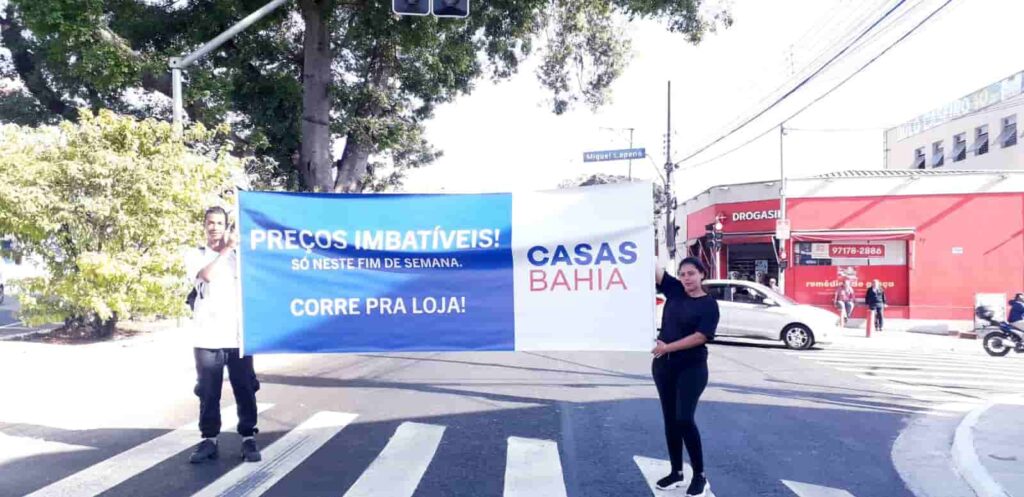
699,486
673,480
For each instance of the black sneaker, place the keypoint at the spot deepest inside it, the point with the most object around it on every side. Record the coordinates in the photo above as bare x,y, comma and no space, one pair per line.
250,452
673,480
206,450
699,486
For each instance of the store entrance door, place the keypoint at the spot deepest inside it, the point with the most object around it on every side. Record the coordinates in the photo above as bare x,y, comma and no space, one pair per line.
752,262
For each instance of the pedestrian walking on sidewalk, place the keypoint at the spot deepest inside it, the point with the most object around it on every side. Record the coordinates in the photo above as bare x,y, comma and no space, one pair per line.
875,299
844,302
216,322
680,367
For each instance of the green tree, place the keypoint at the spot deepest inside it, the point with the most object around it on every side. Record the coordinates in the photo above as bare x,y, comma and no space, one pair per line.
108,204
324,71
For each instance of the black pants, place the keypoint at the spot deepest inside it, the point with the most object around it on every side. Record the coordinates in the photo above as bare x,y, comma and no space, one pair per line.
879,317
210,365
679,388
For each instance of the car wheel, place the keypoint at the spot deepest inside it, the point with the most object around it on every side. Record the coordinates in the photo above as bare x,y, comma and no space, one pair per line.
797,337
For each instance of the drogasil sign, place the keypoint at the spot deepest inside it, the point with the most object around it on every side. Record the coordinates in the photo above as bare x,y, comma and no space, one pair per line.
756,215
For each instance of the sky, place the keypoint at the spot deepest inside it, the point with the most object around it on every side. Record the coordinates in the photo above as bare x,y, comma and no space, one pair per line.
503,137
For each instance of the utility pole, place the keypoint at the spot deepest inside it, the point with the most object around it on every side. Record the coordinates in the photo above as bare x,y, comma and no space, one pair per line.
670,232
782,207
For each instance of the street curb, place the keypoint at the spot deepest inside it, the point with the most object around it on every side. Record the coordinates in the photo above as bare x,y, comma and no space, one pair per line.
965,458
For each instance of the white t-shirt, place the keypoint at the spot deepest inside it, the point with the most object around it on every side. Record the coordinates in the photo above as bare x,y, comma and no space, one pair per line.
216,319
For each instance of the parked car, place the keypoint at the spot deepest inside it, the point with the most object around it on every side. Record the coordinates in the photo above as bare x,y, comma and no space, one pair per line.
751,310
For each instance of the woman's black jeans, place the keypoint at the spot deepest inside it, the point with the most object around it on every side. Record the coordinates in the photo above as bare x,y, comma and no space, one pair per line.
680,384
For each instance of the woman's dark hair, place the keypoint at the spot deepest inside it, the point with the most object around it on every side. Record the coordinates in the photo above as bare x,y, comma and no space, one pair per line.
695,262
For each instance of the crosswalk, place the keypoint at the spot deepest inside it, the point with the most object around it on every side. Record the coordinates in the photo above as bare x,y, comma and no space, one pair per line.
940,381
533,467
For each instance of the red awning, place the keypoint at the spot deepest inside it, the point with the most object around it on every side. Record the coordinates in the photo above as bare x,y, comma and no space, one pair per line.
840,235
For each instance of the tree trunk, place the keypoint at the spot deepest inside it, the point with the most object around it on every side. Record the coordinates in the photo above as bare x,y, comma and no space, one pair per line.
105,328
352,166
359,143
315,163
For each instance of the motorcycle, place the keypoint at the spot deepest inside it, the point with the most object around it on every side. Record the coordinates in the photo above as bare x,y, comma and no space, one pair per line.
998,337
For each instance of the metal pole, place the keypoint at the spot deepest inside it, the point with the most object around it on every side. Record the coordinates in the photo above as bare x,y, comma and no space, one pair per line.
178,63
176,95
231,32
669,231
631,148
782,203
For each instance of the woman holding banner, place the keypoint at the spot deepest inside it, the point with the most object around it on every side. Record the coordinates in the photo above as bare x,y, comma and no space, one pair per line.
680,367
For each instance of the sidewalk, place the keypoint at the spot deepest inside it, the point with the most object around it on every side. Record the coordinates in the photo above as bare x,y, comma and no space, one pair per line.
904,334
139,382
987,448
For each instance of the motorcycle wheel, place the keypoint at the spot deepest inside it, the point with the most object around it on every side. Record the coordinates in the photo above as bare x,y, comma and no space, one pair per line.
995,343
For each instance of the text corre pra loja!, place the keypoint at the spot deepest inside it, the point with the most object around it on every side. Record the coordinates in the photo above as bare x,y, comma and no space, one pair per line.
582,267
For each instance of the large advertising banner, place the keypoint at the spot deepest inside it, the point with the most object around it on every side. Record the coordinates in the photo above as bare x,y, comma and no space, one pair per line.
560,270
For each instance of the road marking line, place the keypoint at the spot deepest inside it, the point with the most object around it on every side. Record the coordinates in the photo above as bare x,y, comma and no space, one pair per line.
398,469
809,490
533,468
13,448
656,469
280,458
115,470
935,383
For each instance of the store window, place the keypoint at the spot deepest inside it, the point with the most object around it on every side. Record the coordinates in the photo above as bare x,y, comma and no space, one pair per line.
938,155
980,146
919,158
959,147
1008,137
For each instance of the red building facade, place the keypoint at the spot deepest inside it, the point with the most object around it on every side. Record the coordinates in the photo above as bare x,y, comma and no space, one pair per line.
933,239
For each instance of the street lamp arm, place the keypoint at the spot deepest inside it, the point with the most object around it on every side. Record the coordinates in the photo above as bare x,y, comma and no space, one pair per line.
187,60
178,63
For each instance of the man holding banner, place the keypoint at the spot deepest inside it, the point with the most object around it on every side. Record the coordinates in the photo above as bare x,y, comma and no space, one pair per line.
216,322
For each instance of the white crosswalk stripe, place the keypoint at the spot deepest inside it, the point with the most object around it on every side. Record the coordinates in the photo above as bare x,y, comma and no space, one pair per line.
533,466
398,469
14,448
932,380
113,471
280,458
810,490
533,469
656,469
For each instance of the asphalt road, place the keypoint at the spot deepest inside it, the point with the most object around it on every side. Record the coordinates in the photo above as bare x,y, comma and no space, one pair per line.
773,424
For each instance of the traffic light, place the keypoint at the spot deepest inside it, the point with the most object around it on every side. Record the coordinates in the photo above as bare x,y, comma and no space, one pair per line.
411,7
451,8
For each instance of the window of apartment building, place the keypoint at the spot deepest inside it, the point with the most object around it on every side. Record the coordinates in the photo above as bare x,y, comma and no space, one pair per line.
1008,137
938,155
959,147
980,140
919,158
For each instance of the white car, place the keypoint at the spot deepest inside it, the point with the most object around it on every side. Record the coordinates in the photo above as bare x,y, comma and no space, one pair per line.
751,310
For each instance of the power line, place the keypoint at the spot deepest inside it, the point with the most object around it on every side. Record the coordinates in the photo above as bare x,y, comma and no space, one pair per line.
829,92
798,86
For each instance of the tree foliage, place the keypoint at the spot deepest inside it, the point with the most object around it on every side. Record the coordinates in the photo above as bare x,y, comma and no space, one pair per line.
108,204
323,72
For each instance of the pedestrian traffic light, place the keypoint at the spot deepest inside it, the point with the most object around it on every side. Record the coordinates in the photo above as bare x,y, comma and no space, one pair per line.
451,8
411,7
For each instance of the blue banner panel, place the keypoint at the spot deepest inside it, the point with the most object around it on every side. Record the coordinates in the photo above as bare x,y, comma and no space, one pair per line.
365,273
